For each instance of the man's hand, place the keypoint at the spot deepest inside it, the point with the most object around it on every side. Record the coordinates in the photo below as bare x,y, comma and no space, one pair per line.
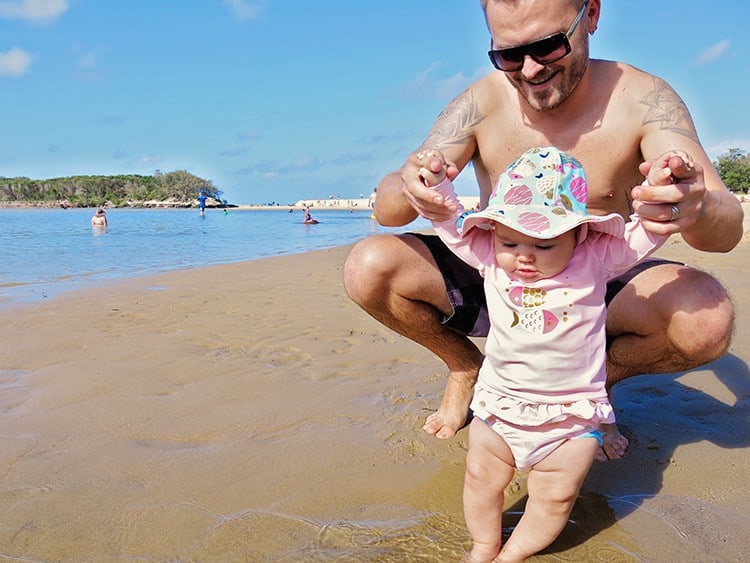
671,199
426,202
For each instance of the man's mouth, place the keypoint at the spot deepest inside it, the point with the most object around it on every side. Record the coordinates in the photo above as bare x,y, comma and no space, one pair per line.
537,83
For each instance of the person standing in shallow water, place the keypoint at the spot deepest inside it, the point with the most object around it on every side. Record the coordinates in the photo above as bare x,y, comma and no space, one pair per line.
615,119
202,203
100,218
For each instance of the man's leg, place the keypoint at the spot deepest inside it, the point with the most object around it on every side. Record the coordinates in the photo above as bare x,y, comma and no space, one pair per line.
396,280
667,319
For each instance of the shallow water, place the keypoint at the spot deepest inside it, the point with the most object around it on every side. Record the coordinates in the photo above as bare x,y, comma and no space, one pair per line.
48,251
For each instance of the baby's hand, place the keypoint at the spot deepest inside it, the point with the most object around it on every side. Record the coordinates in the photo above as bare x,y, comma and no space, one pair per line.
669,199
669,166
433,167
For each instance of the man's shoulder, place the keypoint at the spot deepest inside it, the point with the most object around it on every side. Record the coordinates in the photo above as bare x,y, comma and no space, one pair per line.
619,73
627,87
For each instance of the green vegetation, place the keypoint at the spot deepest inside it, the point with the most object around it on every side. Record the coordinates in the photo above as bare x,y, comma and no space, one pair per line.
734,169
90,191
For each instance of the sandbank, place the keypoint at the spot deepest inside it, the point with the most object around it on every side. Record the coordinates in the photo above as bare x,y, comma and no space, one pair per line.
251,412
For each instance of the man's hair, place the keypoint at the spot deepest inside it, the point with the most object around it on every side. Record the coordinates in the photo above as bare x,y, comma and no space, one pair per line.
485,2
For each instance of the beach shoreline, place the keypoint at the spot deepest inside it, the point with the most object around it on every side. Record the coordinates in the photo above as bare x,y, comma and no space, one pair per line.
347,204
250,411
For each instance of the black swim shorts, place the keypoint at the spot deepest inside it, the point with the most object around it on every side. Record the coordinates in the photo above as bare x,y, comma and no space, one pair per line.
466,287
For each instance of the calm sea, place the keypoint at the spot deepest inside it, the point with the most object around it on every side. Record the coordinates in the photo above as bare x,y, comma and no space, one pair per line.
48,251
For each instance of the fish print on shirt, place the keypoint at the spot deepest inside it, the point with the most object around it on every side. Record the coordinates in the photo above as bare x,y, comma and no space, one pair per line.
530,315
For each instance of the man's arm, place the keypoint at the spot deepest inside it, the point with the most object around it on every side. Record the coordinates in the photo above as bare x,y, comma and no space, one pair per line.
710,216
402,195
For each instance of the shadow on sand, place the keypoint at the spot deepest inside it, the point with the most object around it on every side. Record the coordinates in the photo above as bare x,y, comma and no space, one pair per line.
660,413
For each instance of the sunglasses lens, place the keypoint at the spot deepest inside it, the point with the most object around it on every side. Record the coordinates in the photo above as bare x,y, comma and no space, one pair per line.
545,51
549,50
508,59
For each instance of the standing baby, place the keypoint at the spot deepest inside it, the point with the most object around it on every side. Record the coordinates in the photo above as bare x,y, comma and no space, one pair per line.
540,402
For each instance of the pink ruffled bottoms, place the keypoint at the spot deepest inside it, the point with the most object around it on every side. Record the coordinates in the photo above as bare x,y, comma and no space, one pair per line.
534,430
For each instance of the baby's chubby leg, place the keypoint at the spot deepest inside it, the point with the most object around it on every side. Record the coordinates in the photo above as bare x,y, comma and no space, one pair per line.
489,469
432,167
553,486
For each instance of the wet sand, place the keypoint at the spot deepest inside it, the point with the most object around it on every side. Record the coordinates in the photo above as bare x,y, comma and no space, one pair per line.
251,412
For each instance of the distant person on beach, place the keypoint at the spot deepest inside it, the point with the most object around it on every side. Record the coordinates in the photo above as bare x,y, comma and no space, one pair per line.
202,203
541,396
662,317
100,218
371,202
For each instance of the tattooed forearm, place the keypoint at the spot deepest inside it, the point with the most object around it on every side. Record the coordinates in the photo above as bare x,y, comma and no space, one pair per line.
455,123
666,109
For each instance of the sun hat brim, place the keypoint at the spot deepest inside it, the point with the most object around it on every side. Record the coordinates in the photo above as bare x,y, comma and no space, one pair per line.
541,222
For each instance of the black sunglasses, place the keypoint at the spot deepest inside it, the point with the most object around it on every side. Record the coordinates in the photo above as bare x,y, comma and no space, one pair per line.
544,51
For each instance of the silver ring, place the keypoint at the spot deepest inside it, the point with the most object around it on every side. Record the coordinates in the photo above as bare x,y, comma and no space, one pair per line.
675,213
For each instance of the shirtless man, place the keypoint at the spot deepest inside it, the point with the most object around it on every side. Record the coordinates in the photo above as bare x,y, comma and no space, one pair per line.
615,119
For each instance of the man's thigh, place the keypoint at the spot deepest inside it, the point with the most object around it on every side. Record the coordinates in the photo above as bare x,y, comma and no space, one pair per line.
464,289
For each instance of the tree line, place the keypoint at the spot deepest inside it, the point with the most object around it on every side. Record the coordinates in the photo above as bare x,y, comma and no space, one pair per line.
178,186
734,170
181,186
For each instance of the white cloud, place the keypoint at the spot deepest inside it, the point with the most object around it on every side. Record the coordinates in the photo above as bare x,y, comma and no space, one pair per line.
87,61
453,85
35,11
421,86
247,134
427,85
149,160
14,62
713,53
244,9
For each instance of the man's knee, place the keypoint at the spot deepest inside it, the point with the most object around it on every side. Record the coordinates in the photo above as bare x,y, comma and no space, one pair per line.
358,268
370,267
702,328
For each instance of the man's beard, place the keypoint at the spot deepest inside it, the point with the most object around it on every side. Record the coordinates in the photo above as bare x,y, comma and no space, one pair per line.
552,97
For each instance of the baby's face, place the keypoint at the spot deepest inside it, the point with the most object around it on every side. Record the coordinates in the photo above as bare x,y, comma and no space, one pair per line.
530,259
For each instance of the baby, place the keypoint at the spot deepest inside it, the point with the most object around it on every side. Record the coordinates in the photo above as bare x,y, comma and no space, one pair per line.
540,398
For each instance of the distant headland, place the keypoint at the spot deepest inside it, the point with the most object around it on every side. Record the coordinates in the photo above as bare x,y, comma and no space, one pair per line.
162,189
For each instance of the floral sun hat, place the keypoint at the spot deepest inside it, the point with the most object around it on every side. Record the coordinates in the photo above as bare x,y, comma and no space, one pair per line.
543,194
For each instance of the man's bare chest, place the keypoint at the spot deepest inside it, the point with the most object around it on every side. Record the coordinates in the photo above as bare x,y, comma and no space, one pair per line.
609,159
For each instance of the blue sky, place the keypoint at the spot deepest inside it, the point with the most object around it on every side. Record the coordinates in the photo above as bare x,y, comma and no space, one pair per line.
276,101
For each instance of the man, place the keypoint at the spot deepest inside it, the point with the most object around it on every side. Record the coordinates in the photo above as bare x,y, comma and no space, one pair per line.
202,203
614,119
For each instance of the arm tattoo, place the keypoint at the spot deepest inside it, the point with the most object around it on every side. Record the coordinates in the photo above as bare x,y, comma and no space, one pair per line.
666,109
455,123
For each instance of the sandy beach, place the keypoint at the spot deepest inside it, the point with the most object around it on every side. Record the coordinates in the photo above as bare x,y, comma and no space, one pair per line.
251,412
